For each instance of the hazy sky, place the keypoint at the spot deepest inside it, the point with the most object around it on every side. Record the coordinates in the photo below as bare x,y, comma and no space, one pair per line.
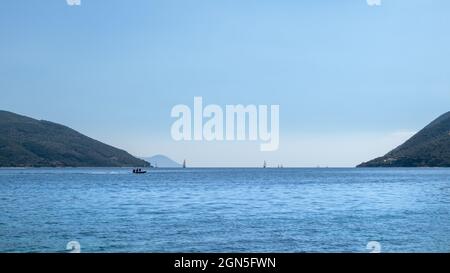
352,81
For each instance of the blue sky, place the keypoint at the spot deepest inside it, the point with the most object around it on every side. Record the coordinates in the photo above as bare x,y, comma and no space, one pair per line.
352,81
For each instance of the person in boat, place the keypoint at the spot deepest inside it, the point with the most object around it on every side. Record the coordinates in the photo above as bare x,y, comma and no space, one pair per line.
138,170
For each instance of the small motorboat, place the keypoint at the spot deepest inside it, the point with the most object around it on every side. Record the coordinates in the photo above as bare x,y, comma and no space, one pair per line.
138,171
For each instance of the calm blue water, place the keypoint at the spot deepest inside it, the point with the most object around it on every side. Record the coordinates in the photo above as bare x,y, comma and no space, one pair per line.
225,210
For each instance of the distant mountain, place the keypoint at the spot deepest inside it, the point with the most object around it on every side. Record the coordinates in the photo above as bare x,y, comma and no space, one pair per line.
27,142
428,148
162,161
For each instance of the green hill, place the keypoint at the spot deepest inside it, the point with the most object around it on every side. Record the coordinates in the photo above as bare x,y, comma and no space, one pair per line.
27,142
428,148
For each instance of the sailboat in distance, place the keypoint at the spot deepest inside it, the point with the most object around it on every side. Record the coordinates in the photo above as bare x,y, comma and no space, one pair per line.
265,164
184,164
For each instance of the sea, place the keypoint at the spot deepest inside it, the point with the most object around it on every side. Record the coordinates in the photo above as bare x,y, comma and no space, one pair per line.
225,210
